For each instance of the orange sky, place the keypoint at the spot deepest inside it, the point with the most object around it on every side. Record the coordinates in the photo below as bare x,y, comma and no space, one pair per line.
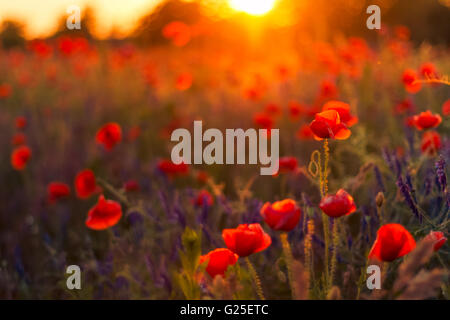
41,16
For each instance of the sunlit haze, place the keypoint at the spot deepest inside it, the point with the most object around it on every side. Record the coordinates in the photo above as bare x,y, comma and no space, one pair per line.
254,7
41,17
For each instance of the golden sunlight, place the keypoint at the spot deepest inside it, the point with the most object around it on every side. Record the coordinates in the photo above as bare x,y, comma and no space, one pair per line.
253,7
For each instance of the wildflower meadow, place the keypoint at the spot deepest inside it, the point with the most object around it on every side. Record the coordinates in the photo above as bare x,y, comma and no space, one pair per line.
88,177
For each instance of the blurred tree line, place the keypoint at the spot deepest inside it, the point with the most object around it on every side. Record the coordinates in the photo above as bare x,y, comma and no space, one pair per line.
428,20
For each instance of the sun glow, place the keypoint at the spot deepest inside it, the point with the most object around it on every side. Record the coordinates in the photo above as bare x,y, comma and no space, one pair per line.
253,7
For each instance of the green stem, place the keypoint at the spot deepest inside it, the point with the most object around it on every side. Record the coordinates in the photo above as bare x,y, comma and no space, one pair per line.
308,253
362,278
289,260
335,237
380,215
122,198
256,280
326,151
325,219
326,236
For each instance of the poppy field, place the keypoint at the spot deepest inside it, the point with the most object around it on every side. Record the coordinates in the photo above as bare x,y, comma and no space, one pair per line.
87,177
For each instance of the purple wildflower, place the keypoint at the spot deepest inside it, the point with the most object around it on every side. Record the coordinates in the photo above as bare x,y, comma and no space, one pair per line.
379,178
440,174
404,189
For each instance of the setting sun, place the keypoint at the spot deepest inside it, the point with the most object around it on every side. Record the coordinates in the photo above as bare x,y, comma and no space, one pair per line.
253,7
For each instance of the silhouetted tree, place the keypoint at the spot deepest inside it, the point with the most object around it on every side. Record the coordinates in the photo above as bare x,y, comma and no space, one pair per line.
149,29
11,34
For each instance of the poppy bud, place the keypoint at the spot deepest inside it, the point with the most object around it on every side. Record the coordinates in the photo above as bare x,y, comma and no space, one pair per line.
438,238
379,200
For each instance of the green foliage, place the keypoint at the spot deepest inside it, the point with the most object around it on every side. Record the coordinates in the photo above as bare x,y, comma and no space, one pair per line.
187,278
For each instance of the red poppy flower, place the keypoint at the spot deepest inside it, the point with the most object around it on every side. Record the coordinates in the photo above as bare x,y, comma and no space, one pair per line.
20,157
57,190
431,142
175,123
178,32
295,110
202,177
304,133
41,48
246,239
109,135
105,214
327,124
427,120
183,81
404,106
409,121
218,261
393,241
438,238
86,184
21,122
338,205
5,90
171,169
446,108
283,72
66,45
272,109
344,112
134,133
281,215
287,164
24,78
428,70
402,32
408,78
328,90
19,139
204,198
253,93
131,186
263,120
69,46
